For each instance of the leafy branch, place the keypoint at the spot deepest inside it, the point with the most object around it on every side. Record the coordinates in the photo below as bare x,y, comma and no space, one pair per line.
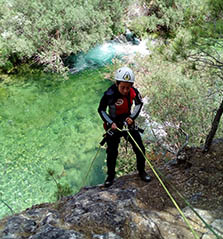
62,189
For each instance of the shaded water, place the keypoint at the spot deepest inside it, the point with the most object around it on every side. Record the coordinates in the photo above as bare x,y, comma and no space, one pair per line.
44,124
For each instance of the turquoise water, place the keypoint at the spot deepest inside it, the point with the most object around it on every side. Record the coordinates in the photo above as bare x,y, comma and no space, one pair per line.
49,124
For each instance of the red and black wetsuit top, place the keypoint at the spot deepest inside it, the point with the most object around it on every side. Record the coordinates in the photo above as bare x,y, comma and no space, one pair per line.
119,106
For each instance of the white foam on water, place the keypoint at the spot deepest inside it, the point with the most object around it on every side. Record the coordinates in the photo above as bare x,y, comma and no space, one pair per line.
127,48
104,53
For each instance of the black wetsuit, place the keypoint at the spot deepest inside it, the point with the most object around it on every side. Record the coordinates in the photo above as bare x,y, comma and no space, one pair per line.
119,108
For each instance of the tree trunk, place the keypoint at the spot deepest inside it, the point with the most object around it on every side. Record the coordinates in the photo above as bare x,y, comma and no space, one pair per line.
214,128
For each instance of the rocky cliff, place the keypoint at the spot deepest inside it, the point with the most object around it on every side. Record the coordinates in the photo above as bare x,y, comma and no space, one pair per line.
131,208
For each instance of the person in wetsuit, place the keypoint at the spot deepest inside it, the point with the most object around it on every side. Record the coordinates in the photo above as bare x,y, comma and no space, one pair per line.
118,99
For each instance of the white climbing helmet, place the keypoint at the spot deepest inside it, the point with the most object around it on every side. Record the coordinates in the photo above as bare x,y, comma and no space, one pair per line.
125,74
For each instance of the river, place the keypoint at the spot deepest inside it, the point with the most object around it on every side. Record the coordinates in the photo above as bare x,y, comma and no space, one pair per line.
49,124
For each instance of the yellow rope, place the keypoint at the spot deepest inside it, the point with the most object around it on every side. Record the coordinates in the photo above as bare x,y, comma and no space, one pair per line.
163,185
189,205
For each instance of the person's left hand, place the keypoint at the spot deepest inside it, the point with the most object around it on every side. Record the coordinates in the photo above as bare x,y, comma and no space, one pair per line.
129,121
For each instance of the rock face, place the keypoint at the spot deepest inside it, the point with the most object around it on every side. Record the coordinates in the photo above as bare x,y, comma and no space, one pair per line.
96,212
131,208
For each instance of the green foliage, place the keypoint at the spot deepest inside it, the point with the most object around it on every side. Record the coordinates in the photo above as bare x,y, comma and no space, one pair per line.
61,189
126,162
178,47
212,29
178,98
141,24
43,32
182,94
165,17
216,7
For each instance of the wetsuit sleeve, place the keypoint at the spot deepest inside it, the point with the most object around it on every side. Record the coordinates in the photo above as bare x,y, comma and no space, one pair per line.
138,105
102,110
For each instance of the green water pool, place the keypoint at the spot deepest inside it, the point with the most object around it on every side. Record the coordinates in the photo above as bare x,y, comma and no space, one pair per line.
49,124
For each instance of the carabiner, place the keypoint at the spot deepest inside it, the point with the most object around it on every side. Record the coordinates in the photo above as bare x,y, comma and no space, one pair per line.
110,132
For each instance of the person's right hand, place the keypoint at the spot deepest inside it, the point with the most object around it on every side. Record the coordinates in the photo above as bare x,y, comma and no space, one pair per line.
114,126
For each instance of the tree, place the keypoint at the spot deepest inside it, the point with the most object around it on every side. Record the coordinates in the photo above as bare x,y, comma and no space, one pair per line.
214,128
210,55
45,32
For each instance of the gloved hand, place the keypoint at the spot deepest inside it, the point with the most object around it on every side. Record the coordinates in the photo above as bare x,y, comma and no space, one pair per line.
129,121
114,126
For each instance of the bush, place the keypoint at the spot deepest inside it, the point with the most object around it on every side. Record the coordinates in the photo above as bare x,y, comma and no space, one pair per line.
165,17
46,31
177,98
183,84
216,7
